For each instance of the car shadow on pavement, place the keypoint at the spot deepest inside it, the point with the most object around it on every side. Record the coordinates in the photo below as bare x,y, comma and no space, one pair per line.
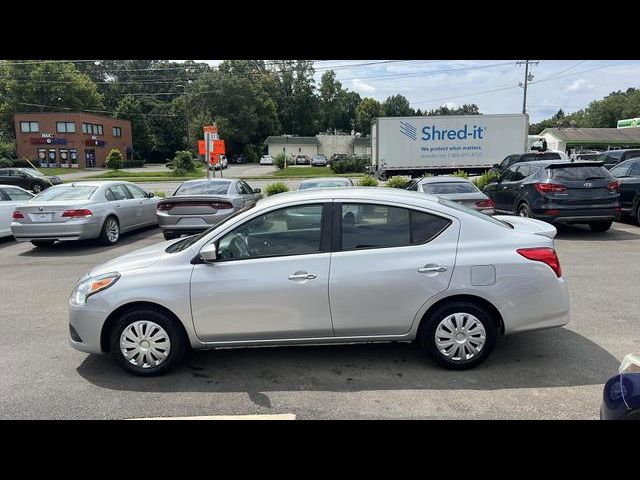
7,241
552,358
582,232
87,247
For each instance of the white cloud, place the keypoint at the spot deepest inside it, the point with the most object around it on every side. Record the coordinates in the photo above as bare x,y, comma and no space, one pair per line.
450,105
361,86
580,85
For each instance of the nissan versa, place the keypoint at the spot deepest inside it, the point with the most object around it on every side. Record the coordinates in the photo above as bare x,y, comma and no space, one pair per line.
408,266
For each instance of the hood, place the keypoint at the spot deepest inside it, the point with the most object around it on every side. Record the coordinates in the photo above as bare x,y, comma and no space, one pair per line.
145,257
529,225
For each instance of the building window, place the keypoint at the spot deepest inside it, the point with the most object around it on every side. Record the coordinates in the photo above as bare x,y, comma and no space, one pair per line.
86,128
92,128
117,132
29,127
99,129
66,127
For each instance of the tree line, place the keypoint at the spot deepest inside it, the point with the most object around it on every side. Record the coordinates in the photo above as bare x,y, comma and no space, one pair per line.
168,102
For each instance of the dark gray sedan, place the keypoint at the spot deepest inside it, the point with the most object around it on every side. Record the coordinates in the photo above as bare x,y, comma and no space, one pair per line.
198,204
456,189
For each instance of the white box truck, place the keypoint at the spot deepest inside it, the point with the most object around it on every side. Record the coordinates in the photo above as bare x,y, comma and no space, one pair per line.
442,144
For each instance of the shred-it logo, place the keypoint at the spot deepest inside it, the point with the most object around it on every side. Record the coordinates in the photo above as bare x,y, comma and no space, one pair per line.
408,130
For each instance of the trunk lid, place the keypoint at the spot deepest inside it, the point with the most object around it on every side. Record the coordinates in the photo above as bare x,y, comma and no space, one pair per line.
50,212
529,225
195,204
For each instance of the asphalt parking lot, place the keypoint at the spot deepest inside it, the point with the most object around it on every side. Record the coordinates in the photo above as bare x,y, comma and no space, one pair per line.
553,374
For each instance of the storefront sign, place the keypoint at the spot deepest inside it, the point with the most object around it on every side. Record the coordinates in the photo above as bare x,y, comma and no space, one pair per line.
47,141
95,143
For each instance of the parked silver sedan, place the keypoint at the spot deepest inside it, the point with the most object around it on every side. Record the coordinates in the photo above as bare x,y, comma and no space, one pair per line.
456,189
198,204
409,267
83,210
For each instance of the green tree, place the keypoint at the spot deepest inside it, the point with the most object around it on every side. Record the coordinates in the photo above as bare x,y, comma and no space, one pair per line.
129,108
114,159
368,109
397,106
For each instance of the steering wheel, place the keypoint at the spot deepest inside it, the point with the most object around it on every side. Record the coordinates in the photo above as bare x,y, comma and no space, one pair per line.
238,247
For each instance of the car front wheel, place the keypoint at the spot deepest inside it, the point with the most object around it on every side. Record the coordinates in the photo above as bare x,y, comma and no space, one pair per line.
458,335
147,342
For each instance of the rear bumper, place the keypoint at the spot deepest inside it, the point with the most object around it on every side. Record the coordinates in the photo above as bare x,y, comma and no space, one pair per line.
189,223
578,216
71,230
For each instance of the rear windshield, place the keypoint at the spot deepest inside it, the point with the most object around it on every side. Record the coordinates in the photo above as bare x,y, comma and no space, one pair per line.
209,187
449,187
470,211
529,157
578,173
83,192
327,184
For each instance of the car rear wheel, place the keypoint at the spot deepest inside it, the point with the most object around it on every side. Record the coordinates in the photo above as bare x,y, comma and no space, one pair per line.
147,342
458,335
600,226
42,243
524,210
36,188
110,232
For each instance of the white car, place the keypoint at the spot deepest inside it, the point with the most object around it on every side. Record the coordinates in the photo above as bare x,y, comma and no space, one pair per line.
406,267
266,160
10,197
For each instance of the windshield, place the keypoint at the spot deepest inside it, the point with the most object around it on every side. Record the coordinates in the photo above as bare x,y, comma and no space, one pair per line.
71,192
325,184
472,212
185,243
536,156
449,187
207,187
578,173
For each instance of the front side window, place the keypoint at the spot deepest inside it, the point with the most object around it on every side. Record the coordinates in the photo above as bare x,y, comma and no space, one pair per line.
381,226
509,175
287,231
136,191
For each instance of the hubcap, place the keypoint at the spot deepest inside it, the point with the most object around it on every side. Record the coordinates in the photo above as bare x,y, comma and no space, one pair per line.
36,188
112,230
145,344
460,337
524,212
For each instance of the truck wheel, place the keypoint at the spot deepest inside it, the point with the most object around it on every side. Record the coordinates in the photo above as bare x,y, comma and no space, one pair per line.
600,226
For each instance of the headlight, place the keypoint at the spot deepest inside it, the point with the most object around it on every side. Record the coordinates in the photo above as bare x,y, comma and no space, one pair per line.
630,363
88,286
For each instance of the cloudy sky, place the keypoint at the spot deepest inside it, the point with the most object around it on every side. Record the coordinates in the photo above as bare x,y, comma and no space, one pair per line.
491,84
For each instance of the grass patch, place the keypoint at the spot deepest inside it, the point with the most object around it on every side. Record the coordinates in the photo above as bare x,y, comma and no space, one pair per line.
146,176
58,171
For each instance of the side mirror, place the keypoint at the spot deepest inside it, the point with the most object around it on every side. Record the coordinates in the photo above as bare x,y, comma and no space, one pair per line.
208,253
257,190
496,165
151,195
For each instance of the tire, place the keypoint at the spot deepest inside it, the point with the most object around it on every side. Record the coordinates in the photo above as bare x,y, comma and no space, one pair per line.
42,243
452,314
107,235
170,235
36,188
524,210
600,226
132,330
637,214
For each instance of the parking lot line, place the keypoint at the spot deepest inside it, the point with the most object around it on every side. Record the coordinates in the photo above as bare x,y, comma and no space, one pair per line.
284,416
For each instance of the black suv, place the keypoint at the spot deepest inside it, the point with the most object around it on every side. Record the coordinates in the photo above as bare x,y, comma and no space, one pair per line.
613,157
511,160
27,178
628,173
559,192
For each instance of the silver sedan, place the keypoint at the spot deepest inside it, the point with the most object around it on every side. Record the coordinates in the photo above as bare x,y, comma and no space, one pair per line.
198,204
408,267
83,210
456,189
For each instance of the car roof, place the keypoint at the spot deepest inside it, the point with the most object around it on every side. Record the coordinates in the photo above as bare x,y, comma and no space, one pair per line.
546,163
443,179
91,183
356,193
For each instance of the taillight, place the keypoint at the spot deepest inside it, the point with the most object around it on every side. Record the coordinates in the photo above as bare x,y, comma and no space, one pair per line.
164,206
77,213
543,254
17,215
549,187
613,186
221,205
485,204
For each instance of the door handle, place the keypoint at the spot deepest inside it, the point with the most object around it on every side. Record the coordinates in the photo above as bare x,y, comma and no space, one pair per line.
117,205
431,268
302,276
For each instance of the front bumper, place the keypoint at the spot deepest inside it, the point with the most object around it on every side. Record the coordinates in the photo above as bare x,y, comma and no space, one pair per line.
72,230
87,322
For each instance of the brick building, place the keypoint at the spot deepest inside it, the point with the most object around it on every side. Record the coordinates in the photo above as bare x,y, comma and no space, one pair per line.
71,139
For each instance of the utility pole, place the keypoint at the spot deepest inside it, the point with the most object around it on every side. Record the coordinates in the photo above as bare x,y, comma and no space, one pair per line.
528,78
186,113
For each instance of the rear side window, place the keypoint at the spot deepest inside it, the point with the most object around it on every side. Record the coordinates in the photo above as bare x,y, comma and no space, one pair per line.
578,173
118,192
382,226
631,154
635,170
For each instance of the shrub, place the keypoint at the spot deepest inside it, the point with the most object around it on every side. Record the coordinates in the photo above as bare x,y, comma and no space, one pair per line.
159,193
460,173
114,159
182,163
279,160
350,165
7,149
274,188
367,181
6,163
397,182
485,179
